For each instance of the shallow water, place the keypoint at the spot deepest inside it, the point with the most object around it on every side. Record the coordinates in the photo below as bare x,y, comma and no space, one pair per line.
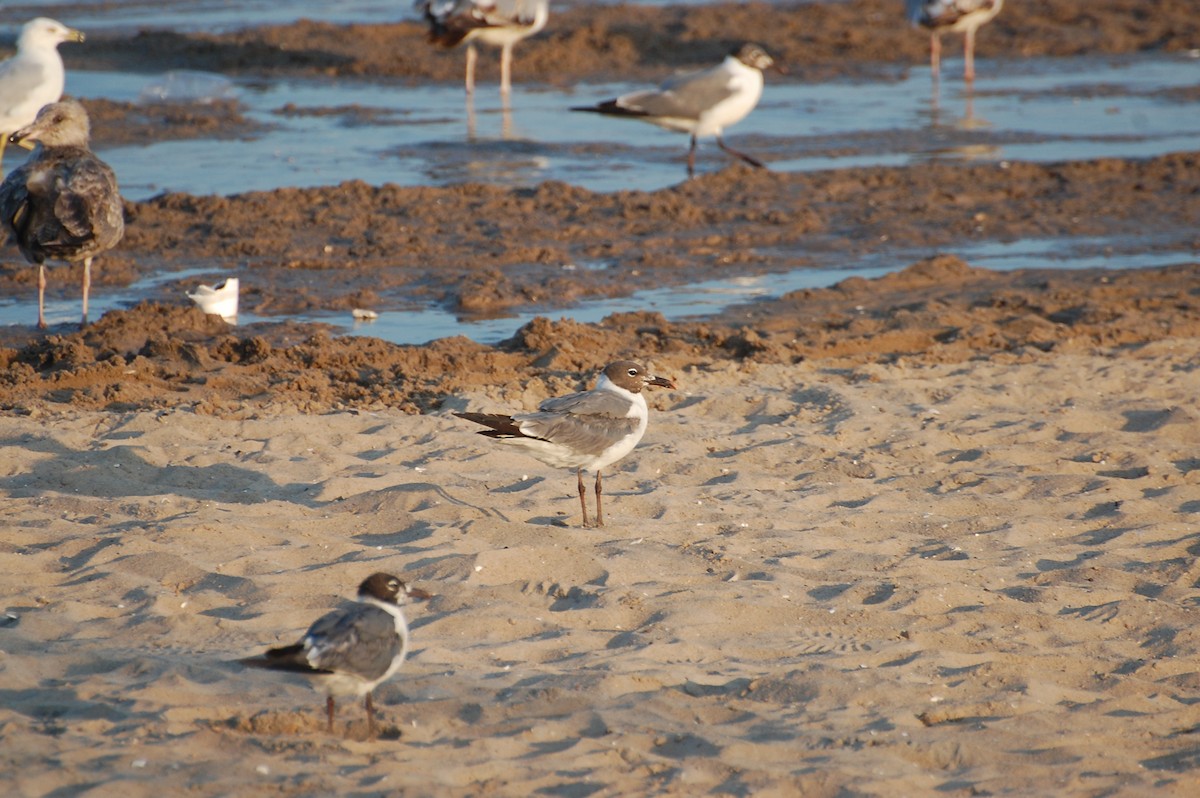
713,296
1035,109
218,16
423,324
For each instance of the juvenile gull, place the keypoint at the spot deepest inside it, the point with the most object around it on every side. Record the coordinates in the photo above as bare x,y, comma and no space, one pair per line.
956,16
586,431
34,77
500,23
352,651
701,103
62,203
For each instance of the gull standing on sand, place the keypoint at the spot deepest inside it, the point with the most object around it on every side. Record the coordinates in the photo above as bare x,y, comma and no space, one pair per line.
34,77
586,431
956,16
701,103
62,203
352,651
500,23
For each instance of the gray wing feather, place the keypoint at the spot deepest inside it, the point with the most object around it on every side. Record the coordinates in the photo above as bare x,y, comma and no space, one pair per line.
942,12
589,434
682,97
502,12
362,640
17,80
589,421
481,13
586,403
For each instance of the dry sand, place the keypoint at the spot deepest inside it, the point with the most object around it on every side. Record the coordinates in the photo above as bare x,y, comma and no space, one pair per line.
935,534
968,578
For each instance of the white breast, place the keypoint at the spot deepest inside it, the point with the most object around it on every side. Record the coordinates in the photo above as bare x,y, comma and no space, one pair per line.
49,89
747,85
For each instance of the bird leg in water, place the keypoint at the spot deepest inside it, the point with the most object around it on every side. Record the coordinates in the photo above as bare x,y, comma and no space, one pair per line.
41,296
935,56
742,155
506,69
471,57
969,56
87,286
329,708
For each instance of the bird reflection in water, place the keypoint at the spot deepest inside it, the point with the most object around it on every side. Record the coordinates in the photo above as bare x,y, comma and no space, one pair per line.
506,119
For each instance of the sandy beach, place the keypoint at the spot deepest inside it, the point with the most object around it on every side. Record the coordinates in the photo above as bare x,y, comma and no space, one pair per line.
913,578
934,533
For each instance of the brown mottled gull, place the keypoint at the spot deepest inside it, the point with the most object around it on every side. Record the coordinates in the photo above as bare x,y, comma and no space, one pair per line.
62,204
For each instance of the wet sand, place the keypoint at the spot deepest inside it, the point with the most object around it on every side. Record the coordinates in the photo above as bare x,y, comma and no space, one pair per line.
483,250
933,533
604,42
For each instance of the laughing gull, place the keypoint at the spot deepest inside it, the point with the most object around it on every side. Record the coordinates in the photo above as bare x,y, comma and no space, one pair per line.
33,77
956,16
585,431
62,203
352,651
701,103
500,23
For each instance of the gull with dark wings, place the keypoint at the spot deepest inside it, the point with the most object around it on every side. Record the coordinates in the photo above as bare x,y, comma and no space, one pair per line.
701,103
499,23
352,651
955,16
585,431
62,203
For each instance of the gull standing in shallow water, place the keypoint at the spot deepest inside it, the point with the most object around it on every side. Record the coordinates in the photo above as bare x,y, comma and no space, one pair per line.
956,16
352,651
500,23
586,431
34,77
701,103
62,203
